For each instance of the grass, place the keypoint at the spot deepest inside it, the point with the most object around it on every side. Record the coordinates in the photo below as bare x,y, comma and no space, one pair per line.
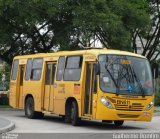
5,106
157,99
156,111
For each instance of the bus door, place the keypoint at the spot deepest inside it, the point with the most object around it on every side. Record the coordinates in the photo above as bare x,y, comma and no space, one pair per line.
90,94
49,86
20,90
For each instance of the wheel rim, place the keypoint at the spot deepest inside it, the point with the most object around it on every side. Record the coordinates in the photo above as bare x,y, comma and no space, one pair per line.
72,112
29,108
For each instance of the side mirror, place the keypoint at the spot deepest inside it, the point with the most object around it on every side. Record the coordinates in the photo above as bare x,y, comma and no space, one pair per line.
97,69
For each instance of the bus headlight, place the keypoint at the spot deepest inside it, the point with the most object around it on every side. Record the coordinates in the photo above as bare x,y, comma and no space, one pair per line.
106,102
150,105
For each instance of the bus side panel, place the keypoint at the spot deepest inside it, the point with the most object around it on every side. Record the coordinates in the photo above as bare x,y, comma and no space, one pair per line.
59,98
15,91
33,88
63,91
13,95
73,89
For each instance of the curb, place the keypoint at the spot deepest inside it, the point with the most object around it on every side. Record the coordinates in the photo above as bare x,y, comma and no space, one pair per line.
7,128
156,114
9,109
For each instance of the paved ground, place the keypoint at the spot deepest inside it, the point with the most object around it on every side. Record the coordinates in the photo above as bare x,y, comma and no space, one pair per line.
157,108
4,122
53,124
6,125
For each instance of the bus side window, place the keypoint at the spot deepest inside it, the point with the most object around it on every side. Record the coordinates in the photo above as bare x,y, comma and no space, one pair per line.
15,69
36,69
60,70
73,68
28,69
94,88
48,75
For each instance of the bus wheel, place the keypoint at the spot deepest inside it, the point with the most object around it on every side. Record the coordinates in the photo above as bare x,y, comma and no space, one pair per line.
29,109
118,123
75,120
39,115
107,121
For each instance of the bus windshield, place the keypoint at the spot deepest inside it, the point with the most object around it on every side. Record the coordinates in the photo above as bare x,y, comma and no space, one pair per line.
123,74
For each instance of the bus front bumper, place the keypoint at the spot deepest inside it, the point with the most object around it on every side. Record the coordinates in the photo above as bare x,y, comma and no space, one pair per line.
113,114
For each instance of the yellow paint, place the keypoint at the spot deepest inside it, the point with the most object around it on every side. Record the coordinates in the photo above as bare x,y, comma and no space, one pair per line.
23,61
52,98
125,62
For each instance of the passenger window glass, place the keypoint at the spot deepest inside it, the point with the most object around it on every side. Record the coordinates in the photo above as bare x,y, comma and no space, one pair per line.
53,73
94,81
48,74
28,69
21,75
73,68
60,70
37,63
15,69
37,69
73,62
36,74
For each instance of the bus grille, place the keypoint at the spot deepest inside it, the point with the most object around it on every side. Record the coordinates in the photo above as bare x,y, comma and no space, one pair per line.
133,107
128,116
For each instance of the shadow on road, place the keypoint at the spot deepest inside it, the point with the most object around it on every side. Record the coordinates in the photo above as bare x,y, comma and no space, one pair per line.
92,124
55,123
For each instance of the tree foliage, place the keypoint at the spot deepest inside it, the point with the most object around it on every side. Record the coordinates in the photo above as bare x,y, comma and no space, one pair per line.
149,39
5,71
30,26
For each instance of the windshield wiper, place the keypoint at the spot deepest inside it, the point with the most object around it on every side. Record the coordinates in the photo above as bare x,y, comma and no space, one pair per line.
114,81
136,78
139,82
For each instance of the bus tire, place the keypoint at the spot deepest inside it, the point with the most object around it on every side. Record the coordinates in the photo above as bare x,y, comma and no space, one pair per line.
29,110
67,117
75,120
107,121
118,123
39,115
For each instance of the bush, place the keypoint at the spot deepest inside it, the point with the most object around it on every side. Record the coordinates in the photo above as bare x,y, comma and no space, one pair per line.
157,99
4,99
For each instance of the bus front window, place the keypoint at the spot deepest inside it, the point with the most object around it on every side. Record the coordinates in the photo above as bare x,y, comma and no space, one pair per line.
122,74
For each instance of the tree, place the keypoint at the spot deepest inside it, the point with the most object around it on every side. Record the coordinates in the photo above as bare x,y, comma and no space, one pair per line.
5,73
20,30
149,38
30,26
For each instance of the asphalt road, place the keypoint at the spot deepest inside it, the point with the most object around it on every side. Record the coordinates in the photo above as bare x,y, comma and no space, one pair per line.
54,124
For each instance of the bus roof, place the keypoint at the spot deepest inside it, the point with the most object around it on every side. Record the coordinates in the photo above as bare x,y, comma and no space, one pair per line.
95,52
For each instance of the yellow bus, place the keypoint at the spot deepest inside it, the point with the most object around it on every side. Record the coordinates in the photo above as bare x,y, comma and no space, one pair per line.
99,84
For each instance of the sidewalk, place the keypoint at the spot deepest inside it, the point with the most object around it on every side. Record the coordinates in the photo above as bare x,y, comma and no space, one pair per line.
9,109
6,125
156,111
